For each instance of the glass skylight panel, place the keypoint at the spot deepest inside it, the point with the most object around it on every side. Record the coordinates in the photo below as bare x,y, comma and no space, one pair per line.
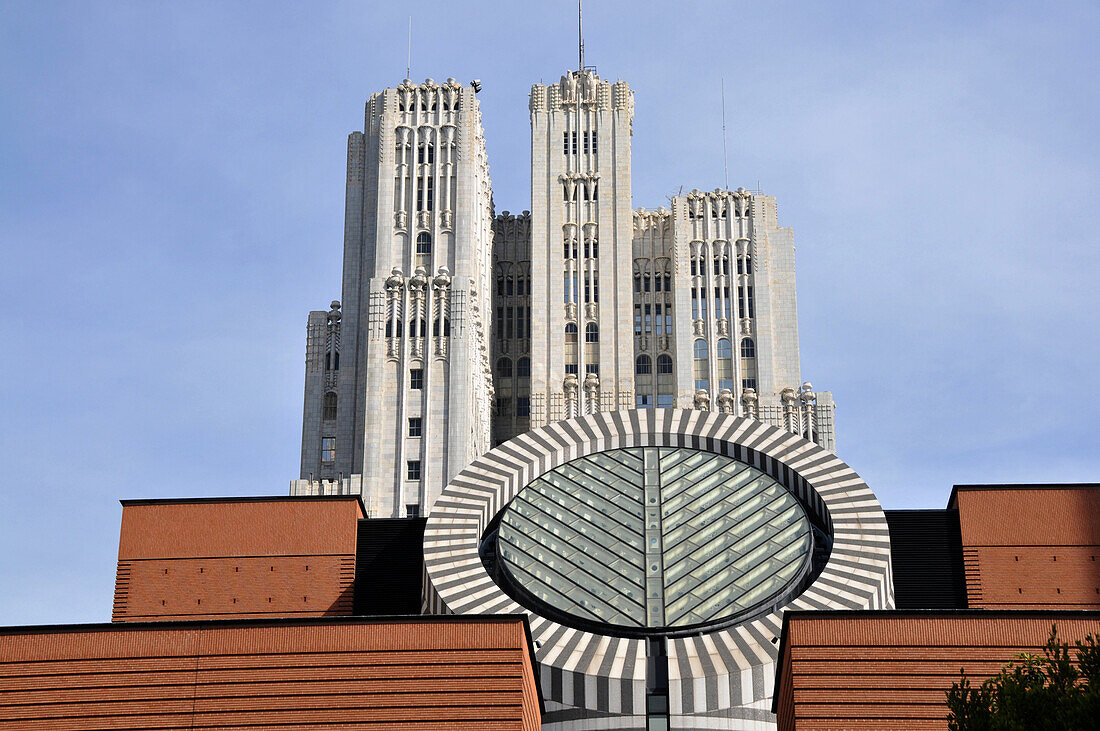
724,538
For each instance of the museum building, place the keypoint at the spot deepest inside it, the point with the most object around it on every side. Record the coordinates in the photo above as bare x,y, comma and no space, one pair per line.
639,569
559,470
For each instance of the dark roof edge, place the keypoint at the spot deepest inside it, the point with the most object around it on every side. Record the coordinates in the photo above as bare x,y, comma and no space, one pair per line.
242,499
931,613
264,622
925,613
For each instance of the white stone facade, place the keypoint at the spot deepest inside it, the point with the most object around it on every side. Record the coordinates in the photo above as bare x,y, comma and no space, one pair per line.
578,306
413,389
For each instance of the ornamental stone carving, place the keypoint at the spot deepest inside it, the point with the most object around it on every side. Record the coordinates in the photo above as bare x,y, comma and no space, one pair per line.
418,282
394,283
748,400
725,401
702,400
592,393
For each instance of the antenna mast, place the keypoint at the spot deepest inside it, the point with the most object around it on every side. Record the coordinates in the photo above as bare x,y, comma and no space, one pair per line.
408,65
580,37
725,166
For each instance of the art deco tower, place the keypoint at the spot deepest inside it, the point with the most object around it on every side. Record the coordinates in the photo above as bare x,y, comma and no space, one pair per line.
582,304
397,376
599,307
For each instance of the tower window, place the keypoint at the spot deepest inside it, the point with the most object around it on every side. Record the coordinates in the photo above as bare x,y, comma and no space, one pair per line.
591,333
412,510
570,287
748,348
416,378
328,407
702,366
416,426
523,367
592,288
328,449
643,365
427,152
664,363
426,202
412,469
746,306
523,405
590,142
445,331
569,143
424,242
504,367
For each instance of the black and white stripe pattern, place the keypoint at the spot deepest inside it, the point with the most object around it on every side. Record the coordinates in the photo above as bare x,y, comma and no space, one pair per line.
720,679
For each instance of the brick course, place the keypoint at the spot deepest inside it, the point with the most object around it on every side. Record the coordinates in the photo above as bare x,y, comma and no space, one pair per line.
1030,547
890,670
418,673
209,559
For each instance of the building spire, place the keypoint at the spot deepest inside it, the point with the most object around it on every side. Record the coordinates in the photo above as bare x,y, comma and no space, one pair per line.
580,37
725,165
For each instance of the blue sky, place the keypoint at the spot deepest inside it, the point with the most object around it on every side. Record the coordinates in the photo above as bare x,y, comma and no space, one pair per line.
171,207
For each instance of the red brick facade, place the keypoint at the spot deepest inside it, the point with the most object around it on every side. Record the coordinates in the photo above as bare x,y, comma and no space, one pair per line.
236,558
415,673
1030,547
847,671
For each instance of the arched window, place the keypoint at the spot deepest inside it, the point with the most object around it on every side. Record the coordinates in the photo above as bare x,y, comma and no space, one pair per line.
328,407
446,330
423,243
504,368
725,364
523,367
664,363
748,348
643,365
701,366
571,348
591,333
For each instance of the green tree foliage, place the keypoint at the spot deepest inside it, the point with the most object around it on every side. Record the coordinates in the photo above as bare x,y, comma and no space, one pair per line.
1037,692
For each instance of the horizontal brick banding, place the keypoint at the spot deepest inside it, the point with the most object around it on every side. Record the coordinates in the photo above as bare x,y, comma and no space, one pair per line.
243,558
440,673
1030,547
884,670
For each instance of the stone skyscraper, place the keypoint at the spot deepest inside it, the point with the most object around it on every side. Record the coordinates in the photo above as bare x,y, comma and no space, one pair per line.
582,304
397,374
